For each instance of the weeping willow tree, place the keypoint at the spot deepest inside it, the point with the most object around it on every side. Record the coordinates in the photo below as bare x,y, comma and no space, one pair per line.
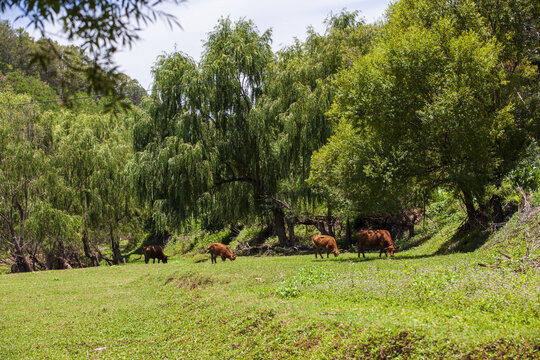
23,140
229,139
300,96
91,154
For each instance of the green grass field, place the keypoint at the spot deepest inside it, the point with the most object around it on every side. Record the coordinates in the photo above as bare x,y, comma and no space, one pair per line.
413,306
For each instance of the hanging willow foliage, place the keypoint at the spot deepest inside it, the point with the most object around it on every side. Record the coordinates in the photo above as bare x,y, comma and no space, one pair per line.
234,142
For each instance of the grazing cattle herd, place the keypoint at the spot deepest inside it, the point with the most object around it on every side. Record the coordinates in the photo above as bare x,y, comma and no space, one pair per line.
366,239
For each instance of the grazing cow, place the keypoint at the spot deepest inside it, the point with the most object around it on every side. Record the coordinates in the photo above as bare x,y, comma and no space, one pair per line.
154,252
376,238
325,242
222,250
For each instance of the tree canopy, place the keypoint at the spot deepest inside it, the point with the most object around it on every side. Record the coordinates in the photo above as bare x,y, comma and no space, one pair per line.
236,143
438,102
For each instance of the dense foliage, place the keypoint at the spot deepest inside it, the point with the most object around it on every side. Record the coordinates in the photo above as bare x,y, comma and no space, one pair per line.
235,143
447,97
64,189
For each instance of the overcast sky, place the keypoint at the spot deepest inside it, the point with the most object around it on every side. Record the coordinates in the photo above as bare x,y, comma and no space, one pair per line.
288,19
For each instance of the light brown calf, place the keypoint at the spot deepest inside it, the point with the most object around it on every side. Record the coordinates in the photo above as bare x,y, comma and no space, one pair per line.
325,242
222,250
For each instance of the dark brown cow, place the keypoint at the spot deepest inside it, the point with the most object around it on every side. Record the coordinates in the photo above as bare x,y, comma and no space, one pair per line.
376,238
325,242
154,252
222,250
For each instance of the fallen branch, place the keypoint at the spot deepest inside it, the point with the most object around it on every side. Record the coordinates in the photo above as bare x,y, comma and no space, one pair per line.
503,254
103,257
489,266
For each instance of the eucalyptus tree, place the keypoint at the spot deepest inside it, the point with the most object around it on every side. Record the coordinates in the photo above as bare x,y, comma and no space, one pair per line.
436,103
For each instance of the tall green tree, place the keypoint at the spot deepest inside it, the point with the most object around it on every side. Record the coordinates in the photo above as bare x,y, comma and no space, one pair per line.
235,144
23,142
205,151
300,95
92,156
436,102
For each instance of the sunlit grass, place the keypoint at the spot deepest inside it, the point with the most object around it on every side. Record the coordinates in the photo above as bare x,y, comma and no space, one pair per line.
343,307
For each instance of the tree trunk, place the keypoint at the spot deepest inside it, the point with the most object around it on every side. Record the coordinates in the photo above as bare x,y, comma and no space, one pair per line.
21,262
348,233
87,252
330,223
86,243
331,229
320,225
279,227
290,227
115,247
494,209
471,211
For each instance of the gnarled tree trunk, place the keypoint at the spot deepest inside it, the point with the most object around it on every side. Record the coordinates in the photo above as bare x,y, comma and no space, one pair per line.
115,247
279,227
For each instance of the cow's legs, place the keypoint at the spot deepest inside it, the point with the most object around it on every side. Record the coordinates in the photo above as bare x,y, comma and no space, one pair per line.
223,258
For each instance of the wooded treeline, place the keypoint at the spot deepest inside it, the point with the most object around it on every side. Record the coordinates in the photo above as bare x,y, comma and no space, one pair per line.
365,121
64,188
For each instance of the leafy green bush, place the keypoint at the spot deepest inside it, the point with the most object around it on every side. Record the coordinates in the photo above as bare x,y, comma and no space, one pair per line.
527,173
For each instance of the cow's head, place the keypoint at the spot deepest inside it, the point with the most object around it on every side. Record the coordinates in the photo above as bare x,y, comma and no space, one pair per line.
165,257
336,252
391,249
233,257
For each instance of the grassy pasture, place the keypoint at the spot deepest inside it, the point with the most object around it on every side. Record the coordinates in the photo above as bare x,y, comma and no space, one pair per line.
412,306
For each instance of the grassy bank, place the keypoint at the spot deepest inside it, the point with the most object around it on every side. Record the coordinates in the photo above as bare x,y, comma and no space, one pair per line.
413,306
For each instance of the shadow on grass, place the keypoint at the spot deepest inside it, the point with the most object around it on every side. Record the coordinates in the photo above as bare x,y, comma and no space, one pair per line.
464,240
397,256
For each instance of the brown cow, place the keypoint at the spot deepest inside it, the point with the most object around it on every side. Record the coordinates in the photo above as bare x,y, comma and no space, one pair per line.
154,252
325,242
222,250
376,238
